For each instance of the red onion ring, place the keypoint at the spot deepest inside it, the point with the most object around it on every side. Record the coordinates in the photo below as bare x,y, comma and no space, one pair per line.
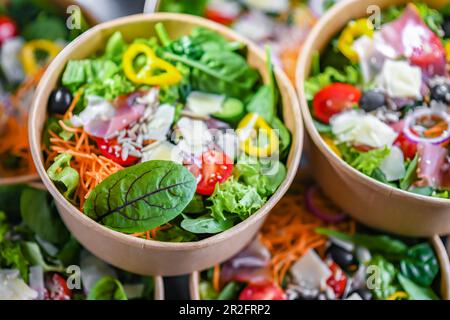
410,119
309,203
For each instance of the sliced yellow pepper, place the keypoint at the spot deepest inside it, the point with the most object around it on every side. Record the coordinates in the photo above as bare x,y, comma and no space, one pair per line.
146,75
398,295
258,139
447,50
28,54
354,30
330,143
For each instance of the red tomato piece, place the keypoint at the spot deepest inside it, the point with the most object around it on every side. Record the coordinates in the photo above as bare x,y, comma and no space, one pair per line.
106,148
337,281
334,99
8,29
216,167
408,147
218,17
433,53
57,288
264,291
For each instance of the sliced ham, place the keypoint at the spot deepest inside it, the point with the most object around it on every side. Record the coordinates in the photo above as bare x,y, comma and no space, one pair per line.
409,36
432,164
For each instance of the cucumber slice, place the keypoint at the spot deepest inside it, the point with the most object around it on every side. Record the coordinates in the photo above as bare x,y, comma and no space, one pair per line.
232,110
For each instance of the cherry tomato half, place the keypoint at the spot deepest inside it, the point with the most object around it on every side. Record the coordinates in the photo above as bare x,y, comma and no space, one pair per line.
216,167
57,288
106,148
333,99
337,281
264,291
8,29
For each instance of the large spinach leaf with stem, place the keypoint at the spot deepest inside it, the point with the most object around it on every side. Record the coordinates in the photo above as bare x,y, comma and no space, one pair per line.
141,197
420,264
40,215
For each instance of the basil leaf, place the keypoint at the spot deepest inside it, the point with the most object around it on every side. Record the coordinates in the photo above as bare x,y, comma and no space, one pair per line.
420,264
41,216
205,224
380,244
141,197
107,288
415,291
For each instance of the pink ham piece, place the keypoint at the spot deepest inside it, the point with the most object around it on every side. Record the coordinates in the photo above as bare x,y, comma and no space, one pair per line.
105,124
251,265
409,36
432,165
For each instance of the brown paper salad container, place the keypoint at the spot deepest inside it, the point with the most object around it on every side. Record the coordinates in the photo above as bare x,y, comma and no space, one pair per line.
146,256
367,200
61,7
436,242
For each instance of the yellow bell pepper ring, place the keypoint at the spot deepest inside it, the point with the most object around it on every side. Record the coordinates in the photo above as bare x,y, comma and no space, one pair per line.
257,138
330,143
146,75
28,54
399,295
354,30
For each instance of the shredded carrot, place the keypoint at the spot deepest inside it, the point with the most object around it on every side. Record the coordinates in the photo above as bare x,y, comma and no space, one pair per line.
69,112
14,130
92,168
289,232
436,130
216,278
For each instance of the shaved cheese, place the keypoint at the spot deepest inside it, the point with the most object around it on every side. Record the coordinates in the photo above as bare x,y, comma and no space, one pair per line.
14,288
163,151
401,80
310,270
277,6
159,126
359,128
204,104
393,167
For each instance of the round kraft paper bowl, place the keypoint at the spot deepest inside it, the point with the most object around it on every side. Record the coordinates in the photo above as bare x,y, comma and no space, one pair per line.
436,242
365,199
146,256
61,6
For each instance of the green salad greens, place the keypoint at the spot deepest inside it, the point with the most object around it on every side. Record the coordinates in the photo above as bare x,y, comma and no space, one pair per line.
172,139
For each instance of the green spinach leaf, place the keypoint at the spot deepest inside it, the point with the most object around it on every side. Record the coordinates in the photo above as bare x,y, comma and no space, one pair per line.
107,288
141,197
205,224
33,254
40,215
420,264
415,291
378,244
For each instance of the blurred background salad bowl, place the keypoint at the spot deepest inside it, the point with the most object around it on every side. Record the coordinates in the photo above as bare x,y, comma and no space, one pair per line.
25,25
136,254
403,210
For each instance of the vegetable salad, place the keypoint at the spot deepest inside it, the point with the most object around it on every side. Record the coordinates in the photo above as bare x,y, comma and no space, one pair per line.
31,34
167,139
308,250
381,100
40,260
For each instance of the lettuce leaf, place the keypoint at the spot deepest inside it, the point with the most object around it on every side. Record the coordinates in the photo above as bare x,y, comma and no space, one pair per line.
366,162
233,197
